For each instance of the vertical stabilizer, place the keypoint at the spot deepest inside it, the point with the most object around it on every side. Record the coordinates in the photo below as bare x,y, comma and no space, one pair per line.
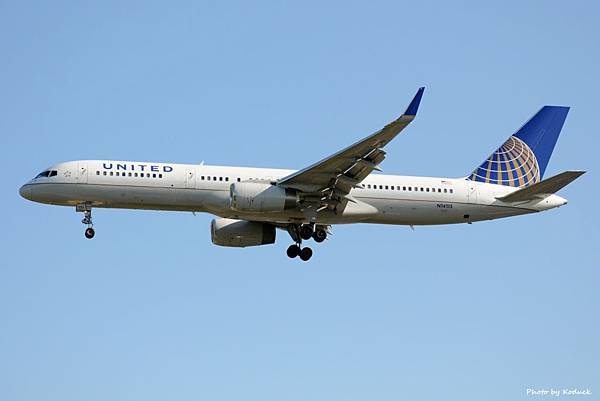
523,158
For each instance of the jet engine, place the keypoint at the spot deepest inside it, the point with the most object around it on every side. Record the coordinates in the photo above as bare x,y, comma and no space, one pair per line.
241,233
261,197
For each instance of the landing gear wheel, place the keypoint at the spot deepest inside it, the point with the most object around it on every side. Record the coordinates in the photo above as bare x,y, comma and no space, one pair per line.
319,235
86,208
305,253
306,231
293,251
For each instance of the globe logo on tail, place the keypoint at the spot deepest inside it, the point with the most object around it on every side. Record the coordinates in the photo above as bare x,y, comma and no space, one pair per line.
513,164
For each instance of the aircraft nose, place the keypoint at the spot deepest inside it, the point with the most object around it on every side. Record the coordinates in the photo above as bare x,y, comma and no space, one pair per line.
25,191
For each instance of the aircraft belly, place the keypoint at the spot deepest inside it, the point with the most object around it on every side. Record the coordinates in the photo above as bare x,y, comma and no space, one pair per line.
417,212
121,196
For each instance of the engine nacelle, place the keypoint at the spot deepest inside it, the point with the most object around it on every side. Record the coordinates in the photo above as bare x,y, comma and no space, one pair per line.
241,233
261,197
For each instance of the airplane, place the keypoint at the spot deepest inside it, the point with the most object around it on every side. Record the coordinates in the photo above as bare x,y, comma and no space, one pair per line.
250,204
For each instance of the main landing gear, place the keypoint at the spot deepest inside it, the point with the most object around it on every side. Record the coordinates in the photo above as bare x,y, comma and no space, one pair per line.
295,250
304,232
87,219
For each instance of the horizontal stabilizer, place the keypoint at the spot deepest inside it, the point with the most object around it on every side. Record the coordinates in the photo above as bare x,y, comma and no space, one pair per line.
543,188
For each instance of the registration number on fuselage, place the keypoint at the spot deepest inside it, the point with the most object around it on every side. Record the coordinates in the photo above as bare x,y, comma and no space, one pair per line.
444,205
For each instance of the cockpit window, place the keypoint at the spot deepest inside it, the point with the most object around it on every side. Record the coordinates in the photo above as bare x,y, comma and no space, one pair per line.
47,173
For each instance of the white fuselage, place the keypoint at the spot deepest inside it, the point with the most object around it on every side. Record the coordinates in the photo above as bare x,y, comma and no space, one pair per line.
385,199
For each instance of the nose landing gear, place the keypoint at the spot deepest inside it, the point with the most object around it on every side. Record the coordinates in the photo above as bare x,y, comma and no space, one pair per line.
87,219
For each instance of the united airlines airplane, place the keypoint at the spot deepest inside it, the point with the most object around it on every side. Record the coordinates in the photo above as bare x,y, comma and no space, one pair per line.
251,203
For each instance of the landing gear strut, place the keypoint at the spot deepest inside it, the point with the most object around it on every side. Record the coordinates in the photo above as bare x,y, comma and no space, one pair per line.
87,219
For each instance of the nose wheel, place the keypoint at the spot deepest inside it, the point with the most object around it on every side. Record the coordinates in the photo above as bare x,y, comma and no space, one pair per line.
87,220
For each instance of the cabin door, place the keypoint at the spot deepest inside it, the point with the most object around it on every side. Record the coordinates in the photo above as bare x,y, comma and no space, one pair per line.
81,175
471,192
190,178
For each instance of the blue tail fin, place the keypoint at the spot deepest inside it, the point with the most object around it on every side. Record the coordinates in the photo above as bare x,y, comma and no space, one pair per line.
522,159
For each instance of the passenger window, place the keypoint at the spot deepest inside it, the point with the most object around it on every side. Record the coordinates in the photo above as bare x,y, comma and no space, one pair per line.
239,179
421,189
410,188
439,190
97,173
208,178
226,178
104,173
445,190
135,174
214,178
220,178
369,186
154,175
160,176
148,175
381,187
451,191
202,178
427,189
386,187
404,188
111,173
129,174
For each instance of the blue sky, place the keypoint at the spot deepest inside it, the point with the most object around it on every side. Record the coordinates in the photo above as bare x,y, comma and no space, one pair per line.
151,310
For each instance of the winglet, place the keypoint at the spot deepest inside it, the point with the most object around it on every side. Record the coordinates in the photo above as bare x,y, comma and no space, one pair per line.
412,108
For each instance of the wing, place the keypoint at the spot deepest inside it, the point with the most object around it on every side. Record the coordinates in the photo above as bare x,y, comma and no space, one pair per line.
329,181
